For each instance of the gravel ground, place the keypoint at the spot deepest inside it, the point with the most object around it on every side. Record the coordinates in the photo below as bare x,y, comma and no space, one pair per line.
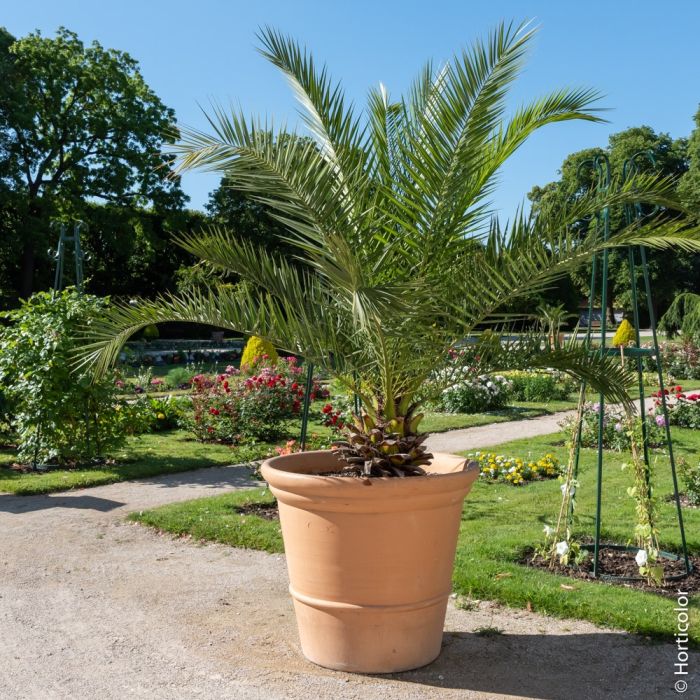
94,607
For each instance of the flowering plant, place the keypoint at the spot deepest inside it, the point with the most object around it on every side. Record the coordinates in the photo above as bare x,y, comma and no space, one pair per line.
472,392
515,470
617,428
683,408
230,406
681,360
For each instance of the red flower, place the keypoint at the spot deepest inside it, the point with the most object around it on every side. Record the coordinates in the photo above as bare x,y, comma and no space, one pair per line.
294,386
678,389
214,411
327,408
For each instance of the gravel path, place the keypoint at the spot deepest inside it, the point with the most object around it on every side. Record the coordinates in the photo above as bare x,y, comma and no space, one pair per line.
495,433
92,607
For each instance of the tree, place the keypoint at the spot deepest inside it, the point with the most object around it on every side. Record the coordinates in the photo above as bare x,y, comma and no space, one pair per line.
248,219
689,186
670,156
76,123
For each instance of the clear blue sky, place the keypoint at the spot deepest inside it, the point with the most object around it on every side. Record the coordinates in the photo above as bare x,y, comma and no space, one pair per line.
642,54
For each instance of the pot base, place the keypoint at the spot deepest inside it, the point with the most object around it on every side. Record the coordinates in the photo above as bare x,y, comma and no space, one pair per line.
364,639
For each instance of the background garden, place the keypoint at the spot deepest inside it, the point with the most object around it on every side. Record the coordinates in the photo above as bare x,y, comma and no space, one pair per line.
166,408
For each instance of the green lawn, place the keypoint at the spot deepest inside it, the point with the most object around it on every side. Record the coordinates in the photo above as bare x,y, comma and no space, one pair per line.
148,455
499,522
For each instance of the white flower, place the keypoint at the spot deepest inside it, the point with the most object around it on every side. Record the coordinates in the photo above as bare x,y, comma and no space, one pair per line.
562,548
572,490
642,557
548,531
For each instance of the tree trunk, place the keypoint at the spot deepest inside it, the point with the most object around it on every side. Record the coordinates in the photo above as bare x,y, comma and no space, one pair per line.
33,223
26,282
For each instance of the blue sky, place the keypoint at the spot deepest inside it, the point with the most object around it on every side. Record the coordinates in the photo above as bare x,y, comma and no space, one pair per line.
641,54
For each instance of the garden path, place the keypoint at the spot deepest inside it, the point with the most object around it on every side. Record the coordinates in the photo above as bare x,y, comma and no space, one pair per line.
495,433
92,606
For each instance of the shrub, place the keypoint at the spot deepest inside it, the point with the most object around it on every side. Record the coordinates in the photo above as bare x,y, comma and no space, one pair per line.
617,429
232,407
257,351
691,481
151,332
180,377
515,470
539,386
60,417
682,360
683,408
474,393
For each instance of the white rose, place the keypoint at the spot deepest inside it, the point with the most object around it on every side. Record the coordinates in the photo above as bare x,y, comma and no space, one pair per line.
548,531
642,557
562,548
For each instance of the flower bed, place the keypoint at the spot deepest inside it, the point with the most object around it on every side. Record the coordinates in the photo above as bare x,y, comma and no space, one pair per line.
515,470
681,360
617,428
473,393
232,406
539,385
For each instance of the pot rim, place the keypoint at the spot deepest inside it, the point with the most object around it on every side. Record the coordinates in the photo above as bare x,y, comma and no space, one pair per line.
283,474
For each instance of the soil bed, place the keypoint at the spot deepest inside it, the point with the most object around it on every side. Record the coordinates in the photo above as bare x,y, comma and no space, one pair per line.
621,563
685,501
268,511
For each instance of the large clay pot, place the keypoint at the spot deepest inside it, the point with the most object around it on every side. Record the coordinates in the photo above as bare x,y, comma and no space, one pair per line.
370,562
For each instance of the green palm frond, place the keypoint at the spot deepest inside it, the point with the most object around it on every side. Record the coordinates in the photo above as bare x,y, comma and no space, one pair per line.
396,260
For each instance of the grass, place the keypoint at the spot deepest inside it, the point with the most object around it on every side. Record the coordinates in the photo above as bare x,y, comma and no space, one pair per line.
148,455
217,519
499,522
490,545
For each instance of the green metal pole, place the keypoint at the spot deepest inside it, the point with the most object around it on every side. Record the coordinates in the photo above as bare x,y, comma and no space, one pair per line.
587,342
603,166
652,323
640,378
601,404
306,405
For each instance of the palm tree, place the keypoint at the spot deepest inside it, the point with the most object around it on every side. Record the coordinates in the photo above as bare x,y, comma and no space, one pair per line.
397,258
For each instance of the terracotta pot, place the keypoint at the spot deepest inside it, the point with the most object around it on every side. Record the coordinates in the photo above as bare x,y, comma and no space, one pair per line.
370,562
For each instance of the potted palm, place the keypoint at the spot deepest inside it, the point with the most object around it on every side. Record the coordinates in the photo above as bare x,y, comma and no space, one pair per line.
396,262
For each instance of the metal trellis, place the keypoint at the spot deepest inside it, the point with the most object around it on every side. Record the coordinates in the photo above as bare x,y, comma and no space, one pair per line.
634,213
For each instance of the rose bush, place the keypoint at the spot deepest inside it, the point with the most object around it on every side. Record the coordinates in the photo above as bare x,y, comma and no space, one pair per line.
681,360
683,407
234,406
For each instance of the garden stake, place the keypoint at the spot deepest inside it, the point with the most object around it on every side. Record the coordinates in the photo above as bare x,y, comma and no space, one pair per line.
305,407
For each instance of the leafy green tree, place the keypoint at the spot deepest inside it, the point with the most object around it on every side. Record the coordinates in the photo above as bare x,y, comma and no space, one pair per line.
77,123
129,251
689,186
670,156
248,219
